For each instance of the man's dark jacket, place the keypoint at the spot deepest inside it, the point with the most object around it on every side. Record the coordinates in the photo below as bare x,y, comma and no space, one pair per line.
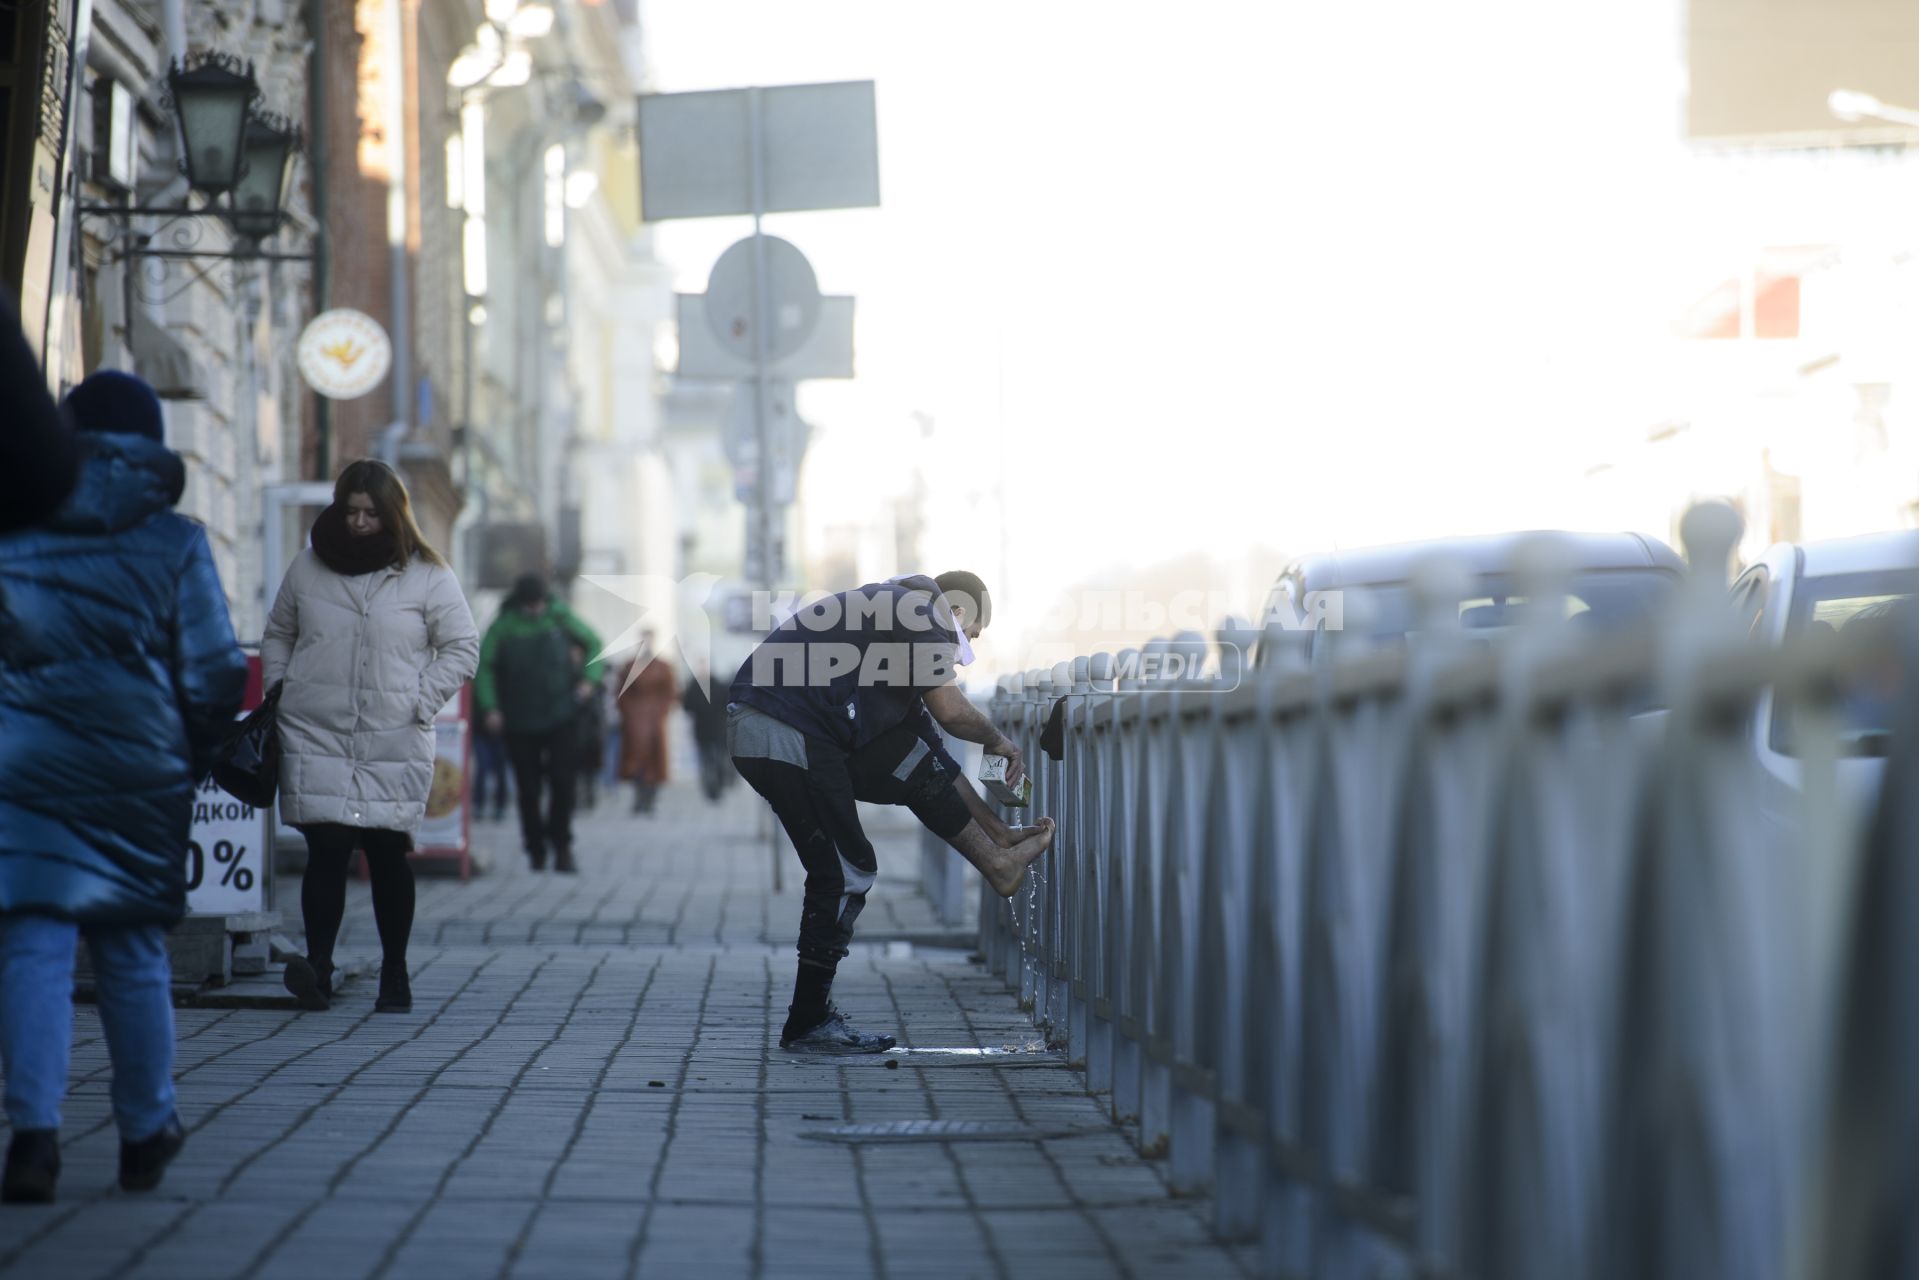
848,710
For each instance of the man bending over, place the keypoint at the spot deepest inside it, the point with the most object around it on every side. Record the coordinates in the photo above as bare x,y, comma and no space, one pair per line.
838,705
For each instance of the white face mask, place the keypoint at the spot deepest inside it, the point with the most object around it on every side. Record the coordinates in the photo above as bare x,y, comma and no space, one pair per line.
944,613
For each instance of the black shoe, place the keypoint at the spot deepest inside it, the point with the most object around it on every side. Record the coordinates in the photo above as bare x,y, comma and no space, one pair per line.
563,860
144,1163
836,1035
33,1166
396,994
310,984
536,860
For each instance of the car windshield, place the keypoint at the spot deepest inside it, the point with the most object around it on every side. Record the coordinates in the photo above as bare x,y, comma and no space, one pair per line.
1854,604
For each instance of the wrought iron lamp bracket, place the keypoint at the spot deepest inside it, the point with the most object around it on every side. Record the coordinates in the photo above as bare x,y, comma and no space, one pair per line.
151,252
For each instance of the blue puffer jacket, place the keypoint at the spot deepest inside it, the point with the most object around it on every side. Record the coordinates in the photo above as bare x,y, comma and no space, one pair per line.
118,674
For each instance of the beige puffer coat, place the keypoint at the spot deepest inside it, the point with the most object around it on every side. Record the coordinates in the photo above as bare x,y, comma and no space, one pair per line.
368,661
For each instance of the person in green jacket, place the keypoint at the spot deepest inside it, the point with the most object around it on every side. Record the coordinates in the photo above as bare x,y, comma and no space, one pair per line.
530,688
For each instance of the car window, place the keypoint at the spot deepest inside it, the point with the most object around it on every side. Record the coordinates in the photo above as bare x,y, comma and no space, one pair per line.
1867,605
1599,601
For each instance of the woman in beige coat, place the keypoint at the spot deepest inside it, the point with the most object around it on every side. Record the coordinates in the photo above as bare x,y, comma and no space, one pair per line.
372,636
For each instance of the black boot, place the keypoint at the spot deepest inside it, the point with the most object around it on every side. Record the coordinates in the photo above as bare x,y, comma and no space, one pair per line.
144,1163
396,994
310,982
563,859
33,1166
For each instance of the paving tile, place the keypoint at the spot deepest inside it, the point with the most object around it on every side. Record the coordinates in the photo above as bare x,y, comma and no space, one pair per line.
589,1087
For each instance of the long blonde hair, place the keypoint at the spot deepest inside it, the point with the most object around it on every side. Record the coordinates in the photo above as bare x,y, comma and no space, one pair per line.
390,502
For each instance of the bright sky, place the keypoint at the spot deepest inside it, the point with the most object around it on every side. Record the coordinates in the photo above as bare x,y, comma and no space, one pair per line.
1228,274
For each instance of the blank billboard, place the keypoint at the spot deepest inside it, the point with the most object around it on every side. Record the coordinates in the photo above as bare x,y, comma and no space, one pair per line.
820,145
1761,70
827,353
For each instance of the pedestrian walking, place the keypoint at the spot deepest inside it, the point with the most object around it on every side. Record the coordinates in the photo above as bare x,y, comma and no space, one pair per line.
492,780
707,717
119,674
648,692
529,689
612,733
371,636
836,706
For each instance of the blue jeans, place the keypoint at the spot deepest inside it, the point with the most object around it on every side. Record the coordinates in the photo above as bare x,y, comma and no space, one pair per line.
490,773
36,1019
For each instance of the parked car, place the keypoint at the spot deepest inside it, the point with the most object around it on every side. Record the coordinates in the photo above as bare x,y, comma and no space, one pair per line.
1617,580
1845,585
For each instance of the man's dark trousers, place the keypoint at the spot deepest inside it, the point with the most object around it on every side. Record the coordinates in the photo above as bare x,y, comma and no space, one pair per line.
545,763
815,803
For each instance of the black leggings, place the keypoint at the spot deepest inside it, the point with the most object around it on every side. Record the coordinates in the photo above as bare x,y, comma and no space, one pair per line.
330,847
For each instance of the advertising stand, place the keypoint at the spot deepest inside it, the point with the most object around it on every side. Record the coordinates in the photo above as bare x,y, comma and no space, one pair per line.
229,879
446,832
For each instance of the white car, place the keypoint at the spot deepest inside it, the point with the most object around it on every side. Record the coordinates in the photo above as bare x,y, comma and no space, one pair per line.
1798,588
1618,579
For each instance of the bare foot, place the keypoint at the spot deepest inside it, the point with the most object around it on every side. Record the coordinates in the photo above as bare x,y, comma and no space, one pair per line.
1010,873
1003,865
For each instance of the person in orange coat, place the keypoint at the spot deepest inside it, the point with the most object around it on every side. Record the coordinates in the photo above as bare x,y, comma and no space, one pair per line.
645,702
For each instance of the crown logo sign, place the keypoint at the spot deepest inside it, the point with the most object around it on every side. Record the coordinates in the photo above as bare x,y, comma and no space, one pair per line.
346,352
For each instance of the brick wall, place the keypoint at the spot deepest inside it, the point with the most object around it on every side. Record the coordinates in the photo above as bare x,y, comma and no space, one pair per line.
357,61
354,58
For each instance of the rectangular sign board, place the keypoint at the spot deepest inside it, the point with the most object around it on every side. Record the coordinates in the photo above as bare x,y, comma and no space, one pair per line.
227,854
820,145
828,353
445,829
1760,71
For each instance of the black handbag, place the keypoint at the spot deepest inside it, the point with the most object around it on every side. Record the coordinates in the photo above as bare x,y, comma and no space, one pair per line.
247,762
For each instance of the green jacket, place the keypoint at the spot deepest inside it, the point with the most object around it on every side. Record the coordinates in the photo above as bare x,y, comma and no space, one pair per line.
526,673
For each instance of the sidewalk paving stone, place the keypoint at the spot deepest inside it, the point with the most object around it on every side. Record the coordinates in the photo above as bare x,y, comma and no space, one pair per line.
590,1085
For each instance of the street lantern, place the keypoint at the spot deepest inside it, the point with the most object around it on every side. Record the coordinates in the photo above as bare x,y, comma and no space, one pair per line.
211,96
260,195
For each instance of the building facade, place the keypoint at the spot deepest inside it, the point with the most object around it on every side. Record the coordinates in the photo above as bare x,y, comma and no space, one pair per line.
469,180
177,297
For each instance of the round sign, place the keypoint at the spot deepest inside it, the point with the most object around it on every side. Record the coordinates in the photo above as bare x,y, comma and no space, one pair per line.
792,299
344,354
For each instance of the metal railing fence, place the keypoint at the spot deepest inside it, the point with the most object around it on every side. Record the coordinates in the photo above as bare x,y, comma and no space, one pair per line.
1450,959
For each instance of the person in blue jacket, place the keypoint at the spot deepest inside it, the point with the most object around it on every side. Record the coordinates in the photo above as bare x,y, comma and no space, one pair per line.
119,674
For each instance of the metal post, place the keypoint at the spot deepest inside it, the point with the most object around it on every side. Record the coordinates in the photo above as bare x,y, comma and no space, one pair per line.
318,159
762,494
762,497
399,297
